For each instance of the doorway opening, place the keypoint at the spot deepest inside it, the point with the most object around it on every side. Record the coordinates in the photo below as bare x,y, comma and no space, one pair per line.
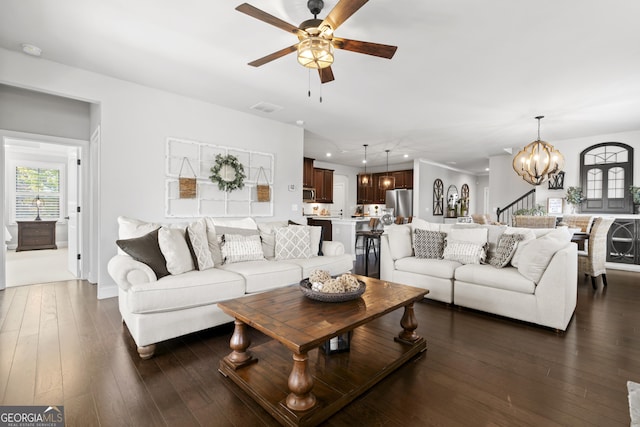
43,221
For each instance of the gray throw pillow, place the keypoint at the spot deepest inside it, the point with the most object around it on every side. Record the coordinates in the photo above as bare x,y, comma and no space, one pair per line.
504,251
428,244
146,250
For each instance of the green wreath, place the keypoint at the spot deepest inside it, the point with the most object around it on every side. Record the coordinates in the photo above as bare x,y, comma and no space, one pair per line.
228,172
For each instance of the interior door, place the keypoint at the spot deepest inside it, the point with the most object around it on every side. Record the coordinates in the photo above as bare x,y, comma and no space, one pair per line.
73,217
339,195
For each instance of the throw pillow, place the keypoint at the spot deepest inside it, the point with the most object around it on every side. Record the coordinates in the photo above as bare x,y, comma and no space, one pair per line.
146,250
428,244
268,237
214,237
239,248
399,241
128,228
528,236
173,245
464,252
293,242
537,254
198,245
315,234
504,251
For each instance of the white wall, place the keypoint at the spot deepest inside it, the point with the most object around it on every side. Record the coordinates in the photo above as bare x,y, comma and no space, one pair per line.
425,173
134,124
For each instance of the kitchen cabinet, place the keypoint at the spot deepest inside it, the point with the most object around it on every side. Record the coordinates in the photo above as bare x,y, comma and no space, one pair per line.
36,235
623,241
376,195
327,229
365,194
323,182
307,173
404,179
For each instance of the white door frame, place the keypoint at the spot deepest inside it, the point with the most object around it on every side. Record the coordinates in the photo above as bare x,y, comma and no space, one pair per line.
85,246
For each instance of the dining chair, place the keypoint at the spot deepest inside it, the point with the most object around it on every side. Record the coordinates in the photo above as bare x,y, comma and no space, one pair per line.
592,261
534,221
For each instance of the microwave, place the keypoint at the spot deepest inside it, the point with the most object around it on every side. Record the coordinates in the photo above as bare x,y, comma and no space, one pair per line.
309,195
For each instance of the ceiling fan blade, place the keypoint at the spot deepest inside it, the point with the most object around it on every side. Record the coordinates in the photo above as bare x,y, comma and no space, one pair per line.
274,55
263,16
368,48
326,75
341,12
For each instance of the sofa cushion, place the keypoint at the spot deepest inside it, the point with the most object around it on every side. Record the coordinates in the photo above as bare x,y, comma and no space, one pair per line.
264,275
335,265
146,250
537,253
196,236
465,252
239,248
528,236
428,244
173,245
128,228
421,224
471,233
191,289
506,248
399,241
443,269
293,242
506,278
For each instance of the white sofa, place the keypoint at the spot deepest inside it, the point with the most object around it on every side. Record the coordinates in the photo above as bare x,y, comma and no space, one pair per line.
155,309
547,255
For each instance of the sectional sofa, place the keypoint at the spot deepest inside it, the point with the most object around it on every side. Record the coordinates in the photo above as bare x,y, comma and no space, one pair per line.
170,276
533,279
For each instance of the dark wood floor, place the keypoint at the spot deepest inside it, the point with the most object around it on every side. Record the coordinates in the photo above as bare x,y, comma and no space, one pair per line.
60,345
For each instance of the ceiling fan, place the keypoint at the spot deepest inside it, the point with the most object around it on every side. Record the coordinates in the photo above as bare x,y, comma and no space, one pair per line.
316,41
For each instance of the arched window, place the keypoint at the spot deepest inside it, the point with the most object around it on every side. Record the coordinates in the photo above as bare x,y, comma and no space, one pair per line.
606,171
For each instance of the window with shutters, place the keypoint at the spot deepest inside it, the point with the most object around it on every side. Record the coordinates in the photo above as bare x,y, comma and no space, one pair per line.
38,181
606,172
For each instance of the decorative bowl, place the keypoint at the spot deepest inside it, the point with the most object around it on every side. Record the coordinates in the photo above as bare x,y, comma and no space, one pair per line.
305,287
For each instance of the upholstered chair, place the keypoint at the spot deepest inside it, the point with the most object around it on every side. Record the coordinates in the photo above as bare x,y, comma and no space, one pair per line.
592,261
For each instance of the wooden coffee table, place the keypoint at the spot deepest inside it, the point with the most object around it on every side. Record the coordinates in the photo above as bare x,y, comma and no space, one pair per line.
318,385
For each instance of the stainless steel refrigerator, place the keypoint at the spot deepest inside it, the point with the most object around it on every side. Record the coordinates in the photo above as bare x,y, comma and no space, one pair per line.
401,201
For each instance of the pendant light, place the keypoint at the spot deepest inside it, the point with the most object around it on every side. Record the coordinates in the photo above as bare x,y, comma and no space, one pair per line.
387,182
365,180
538,161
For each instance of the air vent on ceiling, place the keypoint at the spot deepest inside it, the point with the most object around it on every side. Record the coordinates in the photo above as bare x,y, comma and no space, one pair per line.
266,107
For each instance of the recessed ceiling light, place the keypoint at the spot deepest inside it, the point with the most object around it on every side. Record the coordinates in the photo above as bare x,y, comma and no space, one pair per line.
486,169
406,155
32,50
300,122
328,154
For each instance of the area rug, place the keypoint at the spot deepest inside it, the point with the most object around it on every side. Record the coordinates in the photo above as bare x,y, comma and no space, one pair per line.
31,267
634,403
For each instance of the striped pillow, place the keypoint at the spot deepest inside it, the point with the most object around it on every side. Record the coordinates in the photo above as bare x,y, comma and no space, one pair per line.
238,248
465,252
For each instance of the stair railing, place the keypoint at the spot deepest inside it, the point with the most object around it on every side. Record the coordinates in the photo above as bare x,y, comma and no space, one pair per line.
526,201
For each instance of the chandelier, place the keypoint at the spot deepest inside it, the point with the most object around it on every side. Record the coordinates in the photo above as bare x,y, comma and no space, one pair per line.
365,179
538,161
387,182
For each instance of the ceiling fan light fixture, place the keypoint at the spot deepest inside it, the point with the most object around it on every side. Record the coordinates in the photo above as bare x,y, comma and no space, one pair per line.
315,52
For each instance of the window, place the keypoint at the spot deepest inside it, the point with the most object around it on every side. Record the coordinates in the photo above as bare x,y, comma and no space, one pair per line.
40,182
607,171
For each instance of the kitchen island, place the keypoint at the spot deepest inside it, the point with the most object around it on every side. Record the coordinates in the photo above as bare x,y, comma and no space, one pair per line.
344,230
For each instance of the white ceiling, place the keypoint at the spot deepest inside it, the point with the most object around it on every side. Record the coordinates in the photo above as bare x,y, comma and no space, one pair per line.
466,81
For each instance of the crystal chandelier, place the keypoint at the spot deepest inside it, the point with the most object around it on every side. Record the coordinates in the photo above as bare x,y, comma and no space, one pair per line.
538,161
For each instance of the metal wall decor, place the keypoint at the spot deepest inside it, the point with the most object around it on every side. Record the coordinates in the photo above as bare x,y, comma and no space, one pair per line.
438,197
556,182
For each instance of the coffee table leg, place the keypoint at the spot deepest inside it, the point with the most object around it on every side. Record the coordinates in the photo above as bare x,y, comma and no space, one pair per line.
300,385
409,324
240,356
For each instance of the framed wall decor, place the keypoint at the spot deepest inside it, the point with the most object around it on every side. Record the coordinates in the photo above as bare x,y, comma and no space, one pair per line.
438,196
555,205
556,182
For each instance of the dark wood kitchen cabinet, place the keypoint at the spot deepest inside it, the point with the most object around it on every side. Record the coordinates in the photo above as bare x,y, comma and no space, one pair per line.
307,173
36,235
323,183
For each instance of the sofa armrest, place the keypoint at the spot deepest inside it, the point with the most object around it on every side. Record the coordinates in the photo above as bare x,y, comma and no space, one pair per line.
386,261
332,248
126,271
556,293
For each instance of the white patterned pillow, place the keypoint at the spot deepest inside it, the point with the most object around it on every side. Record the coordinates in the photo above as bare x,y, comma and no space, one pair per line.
239,248
175,250
428,244
504,251
199,245
465,252
293,243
